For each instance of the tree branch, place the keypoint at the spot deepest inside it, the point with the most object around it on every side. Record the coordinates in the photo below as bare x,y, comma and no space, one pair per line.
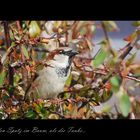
8,44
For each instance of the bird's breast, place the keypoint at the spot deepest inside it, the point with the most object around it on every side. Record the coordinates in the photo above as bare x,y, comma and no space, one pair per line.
51,81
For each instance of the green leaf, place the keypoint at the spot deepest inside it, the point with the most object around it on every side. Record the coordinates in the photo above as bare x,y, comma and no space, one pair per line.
25,52
17,77
5,97
124,104
31,114
100,57
115,83
68,82
110,26
136,23
13,44
34,29
2,77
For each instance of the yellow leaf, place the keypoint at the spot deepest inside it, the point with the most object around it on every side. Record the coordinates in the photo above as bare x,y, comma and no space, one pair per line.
111,25
68,82
34,29
53,116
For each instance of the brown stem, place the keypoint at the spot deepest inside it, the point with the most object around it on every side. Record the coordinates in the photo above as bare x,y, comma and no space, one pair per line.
107,38
126,51
7,35
19,27
8,44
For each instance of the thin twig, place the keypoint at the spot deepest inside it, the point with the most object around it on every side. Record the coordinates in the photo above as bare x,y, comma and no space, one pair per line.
19,27
107,38
125,51
132,78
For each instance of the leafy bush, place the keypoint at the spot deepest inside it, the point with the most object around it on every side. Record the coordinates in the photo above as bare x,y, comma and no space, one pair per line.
94,79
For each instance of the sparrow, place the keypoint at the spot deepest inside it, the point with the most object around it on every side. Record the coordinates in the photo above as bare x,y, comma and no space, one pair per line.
52,78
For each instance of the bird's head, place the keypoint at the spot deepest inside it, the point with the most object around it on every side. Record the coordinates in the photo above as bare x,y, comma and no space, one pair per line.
62,55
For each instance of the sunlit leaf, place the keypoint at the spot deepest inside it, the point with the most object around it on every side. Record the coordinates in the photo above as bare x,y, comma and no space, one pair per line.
100,57
53,116
115,81
37,108
106,109
17,77
57,24
49,27
34,29
111,25
68,82
136,23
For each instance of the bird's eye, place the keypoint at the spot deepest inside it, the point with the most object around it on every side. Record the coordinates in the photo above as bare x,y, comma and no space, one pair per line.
61,52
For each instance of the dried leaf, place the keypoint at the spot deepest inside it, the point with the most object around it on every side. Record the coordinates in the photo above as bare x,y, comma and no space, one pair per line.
131,37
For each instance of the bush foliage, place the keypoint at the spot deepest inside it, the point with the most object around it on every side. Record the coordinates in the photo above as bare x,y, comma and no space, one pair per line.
94,79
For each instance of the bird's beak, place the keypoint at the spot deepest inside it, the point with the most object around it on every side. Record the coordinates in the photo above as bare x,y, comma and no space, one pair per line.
74,52
71,53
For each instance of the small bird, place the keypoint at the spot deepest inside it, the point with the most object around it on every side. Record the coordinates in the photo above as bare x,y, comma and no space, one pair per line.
52,78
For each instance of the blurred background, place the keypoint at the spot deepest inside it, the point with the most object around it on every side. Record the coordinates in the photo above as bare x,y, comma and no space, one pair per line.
117,38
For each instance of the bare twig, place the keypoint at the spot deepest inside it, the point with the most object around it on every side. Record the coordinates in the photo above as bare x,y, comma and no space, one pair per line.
125,51
19,27
132,78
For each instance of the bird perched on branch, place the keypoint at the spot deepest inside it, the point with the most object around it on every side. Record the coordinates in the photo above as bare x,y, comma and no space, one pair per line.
52,78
